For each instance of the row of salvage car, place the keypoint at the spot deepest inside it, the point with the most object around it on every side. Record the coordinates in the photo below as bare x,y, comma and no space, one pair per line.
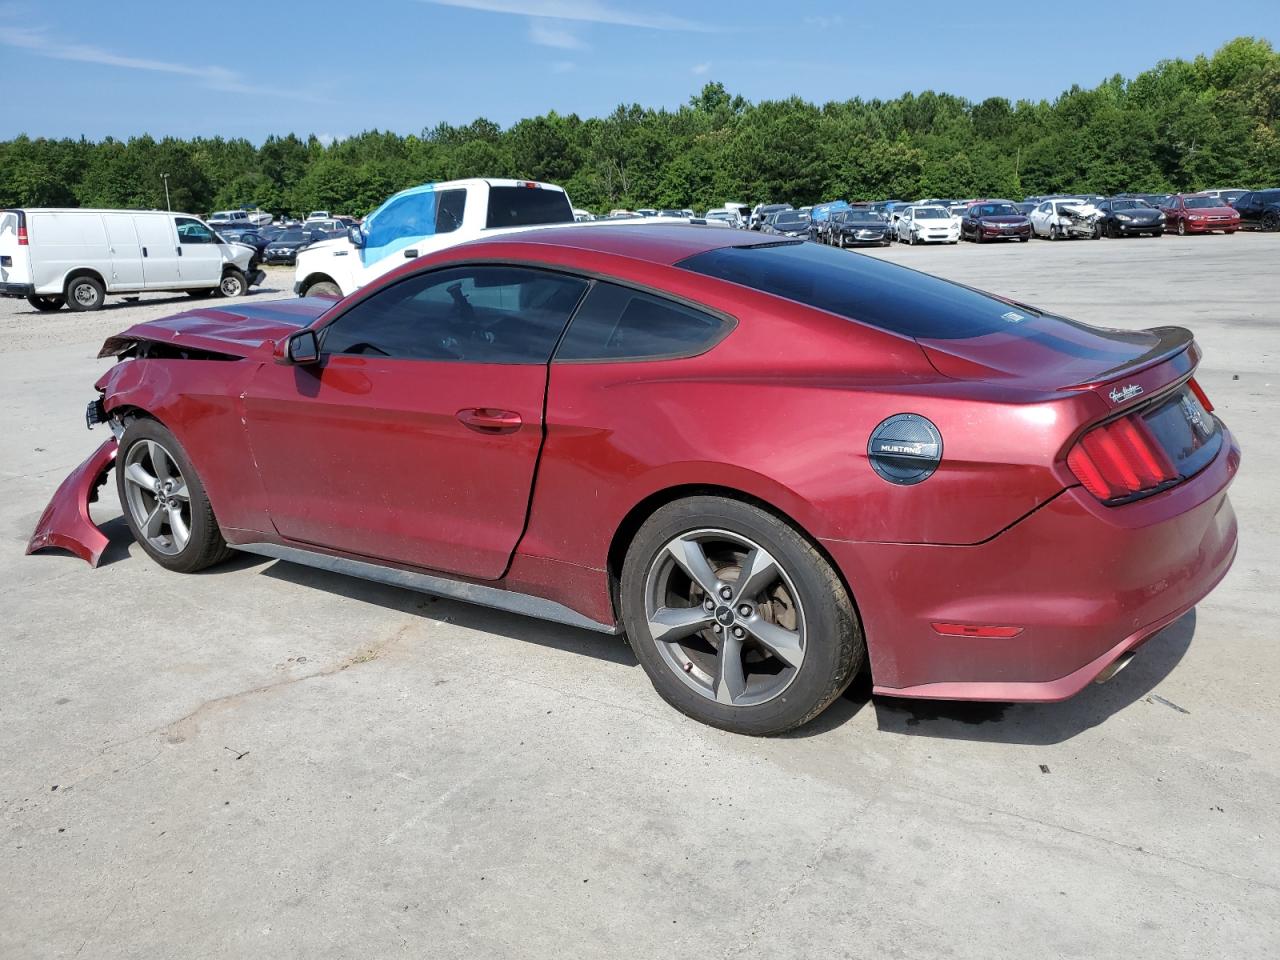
880,223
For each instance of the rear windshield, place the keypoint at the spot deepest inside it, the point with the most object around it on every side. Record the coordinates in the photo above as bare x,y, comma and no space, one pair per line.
872,291
527,206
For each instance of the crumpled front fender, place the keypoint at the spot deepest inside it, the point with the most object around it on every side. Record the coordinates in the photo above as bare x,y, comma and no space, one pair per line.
66,522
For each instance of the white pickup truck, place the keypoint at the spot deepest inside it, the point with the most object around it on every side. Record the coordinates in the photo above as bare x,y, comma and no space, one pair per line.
422,220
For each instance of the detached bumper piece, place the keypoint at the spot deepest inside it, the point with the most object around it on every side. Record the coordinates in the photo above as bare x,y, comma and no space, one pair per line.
66,523
256,277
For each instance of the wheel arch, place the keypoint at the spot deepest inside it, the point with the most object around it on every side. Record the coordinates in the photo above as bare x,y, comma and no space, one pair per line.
634,519
317,276
76,272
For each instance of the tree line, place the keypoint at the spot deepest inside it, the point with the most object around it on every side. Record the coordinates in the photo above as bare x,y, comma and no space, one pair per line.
1182,125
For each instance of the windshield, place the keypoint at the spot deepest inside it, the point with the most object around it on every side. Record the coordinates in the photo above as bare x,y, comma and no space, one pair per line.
866,289
995,210
1130,205
789,220
931,213
1201,203
290,236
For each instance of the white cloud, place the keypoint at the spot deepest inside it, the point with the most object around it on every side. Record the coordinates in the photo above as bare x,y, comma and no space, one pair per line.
588,11
563,66
37,40
700,69
824,23
547,33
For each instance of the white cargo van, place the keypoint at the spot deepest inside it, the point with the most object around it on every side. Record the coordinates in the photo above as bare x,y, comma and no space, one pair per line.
78,257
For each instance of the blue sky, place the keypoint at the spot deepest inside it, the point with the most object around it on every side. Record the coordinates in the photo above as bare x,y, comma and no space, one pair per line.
127,67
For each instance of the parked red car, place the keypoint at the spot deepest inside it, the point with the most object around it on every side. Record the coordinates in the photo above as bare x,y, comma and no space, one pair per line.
770,462
1199,213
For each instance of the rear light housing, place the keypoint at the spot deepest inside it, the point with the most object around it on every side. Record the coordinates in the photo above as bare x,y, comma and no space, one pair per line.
1149,449
22,236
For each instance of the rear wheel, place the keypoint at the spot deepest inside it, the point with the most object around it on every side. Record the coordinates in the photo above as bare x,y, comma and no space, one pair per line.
85,293
164,500
737,620
1271,222
46,304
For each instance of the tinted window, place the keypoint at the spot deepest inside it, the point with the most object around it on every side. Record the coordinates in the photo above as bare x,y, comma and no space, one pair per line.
473,314
618,323
526,206
449,208
872,291
193,231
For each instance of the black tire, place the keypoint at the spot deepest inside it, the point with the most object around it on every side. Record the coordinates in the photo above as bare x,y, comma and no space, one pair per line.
1053,232
1271,222
46,304
325,288
205,545
233,283
834,650
85,293
1182,228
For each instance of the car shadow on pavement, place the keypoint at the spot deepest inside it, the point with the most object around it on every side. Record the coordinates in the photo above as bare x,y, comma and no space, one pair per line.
612,649
1044,723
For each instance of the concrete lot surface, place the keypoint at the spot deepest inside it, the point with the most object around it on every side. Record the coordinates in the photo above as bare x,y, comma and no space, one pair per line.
268,761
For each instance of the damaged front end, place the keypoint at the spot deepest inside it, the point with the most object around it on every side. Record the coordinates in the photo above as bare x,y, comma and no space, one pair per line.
65,522
1080,220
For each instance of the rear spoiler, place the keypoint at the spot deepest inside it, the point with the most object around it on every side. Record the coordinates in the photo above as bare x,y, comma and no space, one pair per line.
1170,342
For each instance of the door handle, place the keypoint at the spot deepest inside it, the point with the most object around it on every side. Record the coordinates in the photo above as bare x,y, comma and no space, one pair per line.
411,254
179,249
490,420
144,251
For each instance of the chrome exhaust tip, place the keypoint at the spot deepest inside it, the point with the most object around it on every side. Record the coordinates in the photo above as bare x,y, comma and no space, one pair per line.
1115,666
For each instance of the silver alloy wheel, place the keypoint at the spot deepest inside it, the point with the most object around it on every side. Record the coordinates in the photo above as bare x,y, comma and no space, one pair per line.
157,495
725,617
231,286
85,294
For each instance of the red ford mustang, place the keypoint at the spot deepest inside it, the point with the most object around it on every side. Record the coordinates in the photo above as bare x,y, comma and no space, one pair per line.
769,462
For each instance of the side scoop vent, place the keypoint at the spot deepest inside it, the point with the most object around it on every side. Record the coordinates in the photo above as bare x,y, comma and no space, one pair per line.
905,449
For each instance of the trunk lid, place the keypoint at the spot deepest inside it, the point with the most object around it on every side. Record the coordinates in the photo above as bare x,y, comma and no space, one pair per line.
1048,353
237,331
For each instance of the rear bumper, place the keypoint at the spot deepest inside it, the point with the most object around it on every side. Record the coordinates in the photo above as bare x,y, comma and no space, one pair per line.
17,289
1084,582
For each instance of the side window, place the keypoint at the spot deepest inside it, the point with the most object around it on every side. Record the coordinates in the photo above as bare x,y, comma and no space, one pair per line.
449,207
193,231
474,314
618,323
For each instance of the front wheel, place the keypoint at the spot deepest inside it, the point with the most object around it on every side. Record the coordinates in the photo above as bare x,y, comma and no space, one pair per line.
233,284
325,288
737,620
164,501
1182,228
46,304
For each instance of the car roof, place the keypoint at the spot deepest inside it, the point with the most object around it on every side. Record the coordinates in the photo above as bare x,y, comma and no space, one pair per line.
666,245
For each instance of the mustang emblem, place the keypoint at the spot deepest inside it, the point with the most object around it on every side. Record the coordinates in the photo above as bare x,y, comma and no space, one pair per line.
1012,317
1128,392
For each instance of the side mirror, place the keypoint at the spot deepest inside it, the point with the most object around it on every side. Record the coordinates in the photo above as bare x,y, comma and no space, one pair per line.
303,347
356,236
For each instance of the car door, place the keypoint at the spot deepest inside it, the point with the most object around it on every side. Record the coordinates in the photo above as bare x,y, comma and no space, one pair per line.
416,436
1172,213
126,252
159,245
199,252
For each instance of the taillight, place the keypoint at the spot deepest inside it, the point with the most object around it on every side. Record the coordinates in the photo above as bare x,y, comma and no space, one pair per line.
1204,401
22,237
1120,460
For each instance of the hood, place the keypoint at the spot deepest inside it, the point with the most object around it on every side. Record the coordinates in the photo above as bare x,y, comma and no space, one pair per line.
1219,211
1004,218
1050,353
1138,213
864,223
237,332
